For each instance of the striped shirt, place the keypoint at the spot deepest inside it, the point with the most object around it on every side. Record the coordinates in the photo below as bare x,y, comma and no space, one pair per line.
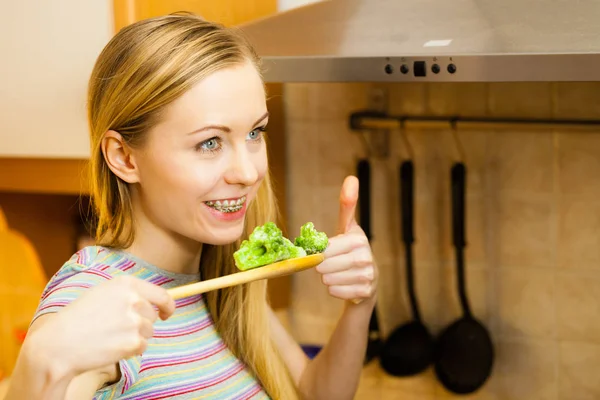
186,358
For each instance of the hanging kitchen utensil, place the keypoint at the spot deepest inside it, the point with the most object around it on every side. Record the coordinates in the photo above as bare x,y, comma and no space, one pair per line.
464,351
409,348
363,172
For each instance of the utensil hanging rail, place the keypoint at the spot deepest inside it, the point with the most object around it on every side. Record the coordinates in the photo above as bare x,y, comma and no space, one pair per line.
372,120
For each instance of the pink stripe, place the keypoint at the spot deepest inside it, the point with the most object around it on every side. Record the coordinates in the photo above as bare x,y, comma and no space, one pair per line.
53,304
187,301
253,392
71,285
97,273
163,394
182,331
183,360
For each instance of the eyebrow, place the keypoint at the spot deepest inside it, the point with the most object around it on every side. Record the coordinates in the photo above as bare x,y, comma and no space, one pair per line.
226,129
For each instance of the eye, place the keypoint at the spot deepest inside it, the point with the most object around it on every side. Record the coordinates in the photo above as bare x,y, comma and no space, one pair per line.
210,145
257,134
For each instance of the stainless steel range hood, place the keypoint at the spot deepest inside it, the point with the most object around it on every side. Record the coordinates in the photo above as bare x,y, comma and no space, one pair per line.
431,40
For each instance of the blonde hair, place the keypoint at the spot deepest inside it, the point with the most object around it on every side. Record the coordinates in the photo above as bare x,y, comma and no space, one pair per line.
144,68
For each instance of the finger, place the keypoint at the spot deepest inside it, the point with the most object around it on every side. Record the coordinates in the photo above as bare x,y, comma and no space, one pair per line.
146,328
357,276
356,259
343,244
156,295
351,292
146,310
348,200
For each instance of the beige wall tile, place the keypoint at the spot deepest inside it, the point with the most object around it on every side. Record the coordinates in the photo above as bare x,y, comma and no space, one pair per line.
479,293
521,161
476,231
578,307
578,371
526,303
334,101
475,144
465,99
433,153
392,303
523,230
407,98
532,204
429,233
526,370
295,101
339,149
521,99
578,99
578,233
579,163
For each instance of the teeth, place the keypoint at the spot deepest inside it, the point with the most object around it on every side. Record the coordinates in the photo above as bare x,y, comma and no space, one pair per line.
227,206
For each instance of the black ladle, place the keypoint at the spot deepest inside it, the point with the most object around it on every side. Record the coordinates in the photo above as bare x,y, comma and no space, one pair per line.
464,352
409,349
363,172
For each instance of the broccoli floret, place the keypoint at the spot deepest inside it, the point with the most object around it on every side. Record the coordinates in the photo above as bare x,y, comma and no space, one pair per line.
311,240
265,245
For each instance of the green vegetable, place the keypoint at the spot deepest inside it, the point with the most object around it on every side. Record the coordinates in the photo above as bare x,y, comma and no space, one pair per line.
311,240
265,245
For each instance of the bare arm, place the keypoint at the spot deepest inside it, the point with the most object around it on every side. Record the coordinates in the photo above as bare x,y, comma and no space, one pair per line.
335,372
72,353
40,374
350,274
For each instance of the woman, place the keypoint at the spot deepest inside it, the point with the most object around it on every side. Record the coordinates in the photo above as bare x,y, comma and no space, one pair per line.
179,173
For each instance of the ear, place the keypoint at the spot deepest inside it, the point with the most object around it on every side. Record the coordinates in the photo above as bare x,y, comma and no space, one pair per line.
119,157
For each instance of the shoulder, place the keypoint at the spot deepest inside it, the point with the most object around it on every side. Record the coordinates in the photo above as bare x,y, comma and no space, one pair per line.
85,269
81,266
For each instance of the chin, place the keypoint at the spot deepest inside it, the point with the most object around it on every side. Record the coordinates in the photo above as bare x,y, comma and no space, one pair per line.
222,236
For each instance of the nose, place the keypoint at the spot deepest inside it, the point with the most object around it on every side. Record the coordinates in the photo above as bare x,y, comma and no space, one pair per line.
242,169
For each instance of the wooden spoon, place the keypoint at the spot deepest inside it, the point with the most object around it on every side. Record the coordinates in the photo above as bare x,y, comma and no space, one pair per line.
280,268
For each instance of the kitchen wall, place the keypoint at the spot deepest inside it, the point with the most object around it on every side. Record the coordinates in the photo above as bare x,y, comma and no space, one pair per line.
533,216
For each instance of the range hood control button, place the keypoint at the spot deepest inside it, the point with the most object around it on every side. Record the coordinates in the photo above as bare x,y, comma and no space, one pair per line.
435,69
451,68
420,68
404,69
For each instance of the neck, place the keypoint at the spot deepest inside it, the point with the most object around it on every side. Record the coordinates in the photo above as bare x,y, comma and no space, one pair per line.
165,250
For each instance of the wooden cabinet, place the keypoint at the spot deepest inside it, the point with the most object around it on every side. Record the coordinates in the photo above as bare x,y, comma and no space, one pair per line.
49,49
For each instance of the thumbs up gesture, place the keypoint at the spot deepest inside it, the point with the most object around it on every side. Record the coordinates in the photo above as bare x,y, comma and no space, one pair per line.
348,270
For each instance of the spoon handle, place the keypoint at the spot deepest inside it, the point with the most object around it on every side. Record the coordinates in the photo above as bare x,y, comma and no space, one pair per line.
281,268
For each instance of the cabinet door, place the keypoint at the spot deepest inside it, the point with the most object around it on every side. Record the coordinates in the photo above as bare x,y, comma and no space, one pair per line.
232,12
49,49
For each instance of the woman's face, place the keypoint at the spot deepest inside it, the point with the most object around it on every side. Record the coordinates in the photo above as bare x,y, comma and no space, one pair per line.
204,161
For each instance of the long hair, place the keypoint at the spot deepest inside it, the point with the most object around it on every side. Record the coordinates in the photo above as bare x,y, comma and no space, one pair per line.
145,67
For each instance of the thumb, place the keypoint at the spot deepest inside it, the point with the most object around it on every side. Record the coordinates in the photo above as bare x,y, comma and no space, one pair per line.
348,200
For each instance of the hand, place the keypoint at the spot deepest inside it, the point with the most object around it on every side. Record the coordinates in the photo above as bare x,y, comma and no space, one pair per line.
111,322
349,270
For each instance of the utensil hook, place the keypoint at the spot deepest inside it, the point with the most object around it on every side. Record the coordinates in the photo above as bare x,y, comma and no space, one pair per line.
459,147
404,136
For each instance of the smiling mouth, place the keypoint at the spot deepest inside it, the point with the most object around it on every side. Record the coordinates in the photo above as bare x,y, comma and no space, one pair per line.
227,206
